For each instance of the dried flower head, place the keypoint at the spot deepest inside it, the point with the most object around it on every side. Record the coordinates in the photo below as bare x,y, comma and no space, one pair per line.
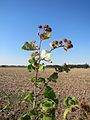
69,46
46,26
65,40
48,29
69,42
56,42
60,42
40,26
65,48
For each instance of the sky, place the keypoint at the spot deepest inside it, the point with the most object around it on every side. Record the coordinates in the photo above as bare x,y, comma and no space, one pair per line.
19,20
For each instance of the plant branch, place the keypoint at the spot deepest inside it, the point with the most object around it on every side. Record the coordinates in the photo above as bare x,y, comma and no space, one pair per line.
57,47
39,93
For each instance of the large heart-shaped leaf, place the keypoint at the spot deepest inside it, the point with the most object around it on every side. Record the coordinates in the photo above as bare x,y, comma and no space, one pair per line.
69,110
50,94
30,46
33,61
31,68
48,105
41,67
53,77
71,100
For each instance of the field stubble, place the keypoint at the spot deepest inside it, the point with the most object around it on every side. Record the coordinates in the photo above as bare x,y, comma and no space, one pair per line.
14,85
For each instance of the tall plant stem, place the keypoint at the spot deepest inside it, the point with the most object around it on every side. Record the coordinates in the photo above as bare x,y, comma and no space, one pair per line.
36,76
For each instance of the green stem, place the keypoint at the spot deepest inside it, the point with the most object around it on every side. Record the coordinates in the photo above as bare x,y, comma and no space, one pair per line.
57,47
36,75
40,92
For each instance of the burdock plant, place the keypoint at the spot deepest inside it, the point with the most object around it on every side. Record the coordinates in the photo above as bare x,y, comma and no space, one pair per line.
42,98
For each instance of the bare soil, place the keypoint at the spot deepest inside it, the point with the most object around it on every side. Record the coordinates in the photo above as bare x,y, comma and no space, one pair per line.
14,85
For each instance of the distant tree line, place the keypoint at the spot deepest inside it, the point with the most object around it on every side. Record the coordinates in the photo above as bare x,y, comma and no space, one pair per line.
52,66
13,66
79,66
70,66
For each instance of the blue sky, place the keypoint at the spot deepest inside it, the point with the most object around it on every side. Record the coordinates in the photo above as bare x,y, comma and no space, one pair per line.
19,20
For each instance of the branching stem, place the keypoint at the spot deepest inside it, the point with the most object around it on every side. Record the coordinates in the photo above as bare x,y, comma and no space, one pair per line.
36,76
39,93
58,47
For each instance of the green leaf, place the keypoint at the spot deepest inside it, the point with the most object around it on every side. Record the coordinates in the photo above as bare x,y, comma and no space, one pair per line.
41,67
85,114
25,117
66,69
33,112
33,62
48,105
62,68
69,110
45,36
40,80
29,97
50,94
34,54
59,69
33,79
53,77
71,100
30,46
66,112
31,68
5,107
47,117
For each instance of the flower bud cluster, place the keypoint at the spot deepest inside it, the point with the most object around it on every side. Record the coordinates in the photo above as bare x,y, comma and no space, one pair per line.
68,44
65,43
55,44
46,29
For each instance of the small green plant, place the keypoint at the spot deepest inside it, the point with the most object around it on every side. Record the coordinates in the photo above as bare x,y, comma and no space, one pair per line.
4,107
42,98
75,110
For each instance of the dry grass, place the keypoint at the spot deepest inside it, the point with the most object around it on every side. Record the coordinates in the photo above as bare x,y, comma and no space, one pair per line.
14,86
